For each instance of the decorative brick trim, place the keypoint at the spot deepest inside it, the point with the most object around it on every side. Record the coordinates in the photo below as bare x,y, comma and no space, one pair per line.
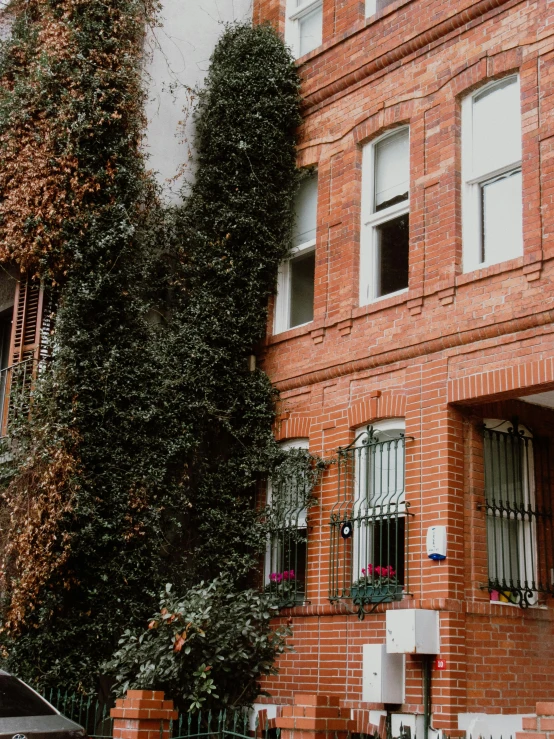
413,45
142,714
431,346
389,404
293,426
506,380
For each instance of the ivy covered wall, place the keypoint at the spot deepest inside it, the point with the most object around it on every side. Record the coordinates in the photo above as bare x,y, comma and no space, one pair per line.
148,433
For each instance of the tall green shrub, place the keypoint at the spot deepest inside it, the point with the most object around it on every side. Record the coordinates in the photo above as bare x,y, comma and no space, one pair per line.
147,440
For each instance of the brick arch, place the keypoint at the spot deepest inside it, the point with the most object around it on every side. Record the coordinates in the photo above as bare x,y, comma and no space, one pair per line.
293,426
388,404
484,71
383,121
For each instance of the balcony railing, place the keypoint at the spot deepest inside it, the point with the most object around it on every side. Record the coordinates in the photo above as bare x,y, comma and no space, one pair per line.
369,522
15,393
518,502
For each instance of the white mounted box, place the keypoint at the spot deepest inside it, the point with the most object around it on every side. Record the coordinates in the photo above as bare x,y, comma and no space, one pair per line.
383,675
413,631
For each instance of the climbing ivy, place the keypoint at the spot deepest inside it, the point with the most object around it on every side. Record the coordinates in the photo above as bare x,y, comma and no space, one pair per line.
149,434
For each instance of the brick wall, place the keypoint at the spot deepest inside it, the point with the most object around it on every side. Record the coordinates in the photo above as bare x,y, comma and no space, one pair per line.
452,350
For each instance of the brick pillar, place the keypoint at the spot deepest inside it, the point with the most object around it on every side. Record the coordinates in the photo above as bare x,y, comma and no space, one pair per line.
315,717
142,714
540,726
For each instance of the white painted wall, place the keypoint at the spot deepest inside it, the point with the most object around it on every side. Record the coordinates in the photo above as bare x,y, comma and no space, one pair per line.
178,57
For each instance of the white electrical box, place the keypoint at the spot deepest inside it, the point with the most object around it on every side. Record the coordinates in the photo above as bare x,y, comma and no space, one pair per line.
383,675
413,631
436,542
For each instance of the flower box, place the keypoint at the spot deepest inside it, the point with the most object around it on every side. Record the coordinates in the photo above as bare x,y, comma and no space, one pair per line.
361,594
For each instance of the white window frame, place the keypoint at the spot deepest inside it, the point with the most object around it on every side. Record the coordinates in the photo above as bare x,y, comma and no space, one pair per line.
283,298
372,219
472,235
526,530
292,26
360,506
370,8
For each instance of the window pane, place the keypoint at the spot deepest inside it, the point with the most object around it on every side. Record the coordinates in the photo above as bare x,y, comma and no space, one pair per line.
496,127
309,31
305,212
302,270
392,177
502,219
392,255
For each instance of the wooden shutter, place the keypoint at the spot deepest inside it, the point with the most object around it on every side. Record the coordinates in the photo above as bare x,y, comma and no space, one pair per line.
25,346
27,321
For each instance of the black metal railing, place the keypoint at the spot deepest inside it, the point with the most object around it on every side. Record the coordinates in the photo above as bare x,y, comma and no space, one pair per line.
518,500
289,498
90,711
15,393
369,522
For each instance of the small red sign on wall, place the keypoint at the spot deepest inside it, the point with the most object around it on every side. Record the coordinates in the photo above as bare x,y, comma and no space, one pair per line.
440,664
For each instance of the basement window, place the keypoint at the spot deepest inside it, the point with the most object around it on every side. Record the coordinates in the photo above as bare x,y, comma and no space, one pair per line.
294,304
384,257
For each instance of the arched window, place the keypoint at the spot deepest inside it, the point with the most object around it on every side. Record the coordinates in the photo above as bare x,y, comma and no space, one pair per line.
368,522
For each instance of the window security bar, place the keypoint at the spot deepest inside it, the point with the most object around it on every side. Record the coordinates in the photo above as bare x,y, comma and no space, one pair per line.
518,501
15,392
369,522
289,498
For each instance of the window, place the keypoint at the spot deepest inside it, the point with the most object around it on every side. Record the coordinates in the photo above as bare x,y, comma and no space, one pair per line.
304,25
510,501
518,498
294,305
491,174
369,521
375,6
288,499
385,217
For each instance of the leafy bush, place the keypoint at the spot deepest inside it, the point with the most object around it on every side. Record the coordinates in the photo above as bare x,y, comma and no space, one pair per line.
206,648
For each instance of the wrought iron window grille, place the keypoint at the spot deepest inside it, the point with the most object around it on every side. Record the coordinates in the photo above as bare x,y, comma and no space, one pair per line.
518,505
370,522
290,496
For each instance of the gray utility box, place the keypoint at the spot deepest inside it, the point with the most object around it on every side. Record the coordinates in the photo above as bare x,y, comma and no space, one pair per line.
413,631
383,675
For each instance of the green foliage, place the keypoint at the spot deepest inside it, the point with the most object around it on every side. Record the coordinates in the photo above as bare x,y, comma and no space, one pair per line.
148,440
206,648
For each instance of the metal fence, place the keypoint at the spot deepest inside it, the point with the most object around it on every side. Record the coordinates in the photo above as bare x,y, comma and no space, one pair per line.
90,711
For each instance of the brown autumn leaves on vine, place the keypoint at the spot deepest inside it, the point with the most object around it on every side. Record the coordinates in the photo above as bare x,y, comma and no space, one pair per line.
47,196
43,186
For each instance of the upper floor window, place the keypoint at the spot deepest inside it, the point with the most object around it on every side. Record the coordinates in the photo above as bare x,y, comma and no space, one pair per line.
491,174
294,305
304,25
385,216
374,6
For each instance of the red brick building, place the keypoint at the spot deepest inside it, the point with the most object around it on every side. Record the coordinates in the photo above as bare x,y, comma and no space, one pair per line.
427,241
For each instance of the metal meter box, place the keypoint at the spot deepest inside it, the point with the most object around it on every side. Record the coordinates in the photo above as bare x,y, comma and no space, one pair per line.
383,675
413,631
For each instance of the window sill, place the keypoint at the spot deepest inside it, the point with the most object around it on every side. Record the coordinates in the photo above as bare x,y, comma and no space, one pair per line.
293,333
383,303
481,273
